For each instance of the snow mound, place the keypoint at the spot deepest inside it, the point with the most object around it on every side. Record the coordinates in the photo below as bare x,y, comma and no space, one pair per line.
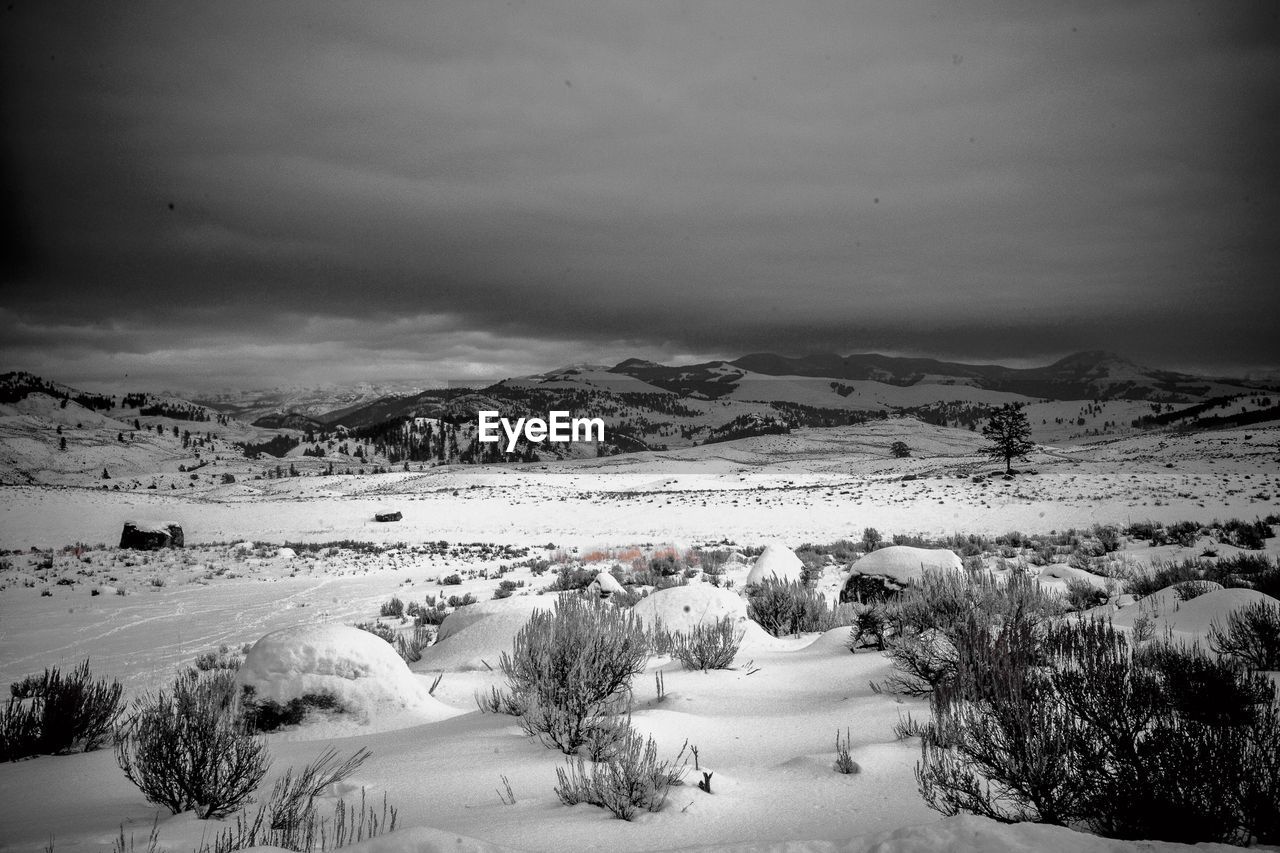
904,564
361,671
1193,617
1056,576
473,636
683,608
777,560
464,617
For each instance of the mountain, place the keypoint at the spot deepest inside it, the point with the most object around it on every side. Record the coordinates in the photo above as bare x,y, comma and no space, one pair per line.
18,385
708,381
55,433
248,405
1093,375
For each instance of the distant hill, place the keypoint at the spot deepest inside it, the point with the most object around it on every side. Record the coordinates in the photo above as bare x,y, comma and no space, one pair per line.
18,385
250,404
147,437
1094,375
289,420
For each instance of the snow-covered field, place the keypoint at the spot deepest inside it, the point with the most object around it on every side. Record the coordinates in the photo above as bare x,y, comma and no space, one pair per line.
766,727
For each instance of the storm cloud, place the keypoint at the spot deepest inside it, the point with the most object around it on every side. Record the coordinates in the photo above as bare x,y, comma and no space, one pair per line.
262,193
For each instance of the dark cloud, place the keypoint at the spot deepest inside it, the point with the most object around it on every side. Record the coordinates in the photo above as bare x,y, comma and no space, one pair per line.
272,191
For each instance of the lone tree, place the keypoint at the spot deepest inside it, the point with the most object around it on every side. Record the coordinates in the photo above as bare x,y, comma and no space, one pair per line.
899,449
1009,434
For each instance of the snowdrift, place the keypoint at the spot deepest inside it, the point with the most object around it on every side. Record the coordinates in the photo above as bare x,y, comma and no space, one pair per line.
479,633
777,560
361,671
960,834
683,608
1192,618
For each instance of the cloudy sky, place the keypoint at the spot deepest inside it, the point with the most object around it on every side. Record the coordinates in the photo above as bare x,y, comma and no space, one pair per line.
200,195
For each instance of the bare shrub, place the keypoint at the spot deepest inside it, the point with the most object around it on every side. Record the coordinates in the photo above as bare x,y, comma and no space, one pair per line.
1070,725
378,630
411,649
844,761
1187,590
790,607
307,831
630,779
497,702
927,619
56,713
1082,595
1252,634
869,626
569,668
184,752
709,646
224,658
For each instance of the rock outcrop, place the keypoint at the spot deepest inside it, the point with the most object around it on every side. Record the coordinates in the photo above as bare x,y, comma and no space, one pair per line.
151,536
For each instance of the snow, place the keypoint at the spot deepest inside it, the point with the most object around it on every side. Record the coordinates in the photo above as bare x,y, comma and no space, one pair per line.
1056,576
766,726
151,525
474,637
360,670
1190,620
905,564
605,584
778,561
960,834
683,608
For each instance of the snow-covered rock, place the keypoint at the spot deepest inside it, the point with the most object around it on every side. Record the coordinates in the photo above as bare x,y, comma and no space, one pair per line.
887,570
683,608
361,671
777,560
151,535
905,564
605,584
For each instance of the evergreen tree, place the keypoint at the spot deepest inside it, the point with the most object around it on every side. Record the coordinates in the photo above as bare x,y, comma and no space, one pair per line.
1009,435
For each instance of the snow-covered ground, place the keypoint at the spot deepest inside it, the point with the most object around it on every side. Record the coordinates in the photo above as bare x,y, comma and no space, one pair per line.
766,728
812,485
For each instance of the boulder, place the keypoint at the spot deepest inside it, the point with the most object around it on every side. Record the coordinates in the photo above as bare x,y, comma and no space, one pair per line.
151,536
605,585
885,572
387,516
